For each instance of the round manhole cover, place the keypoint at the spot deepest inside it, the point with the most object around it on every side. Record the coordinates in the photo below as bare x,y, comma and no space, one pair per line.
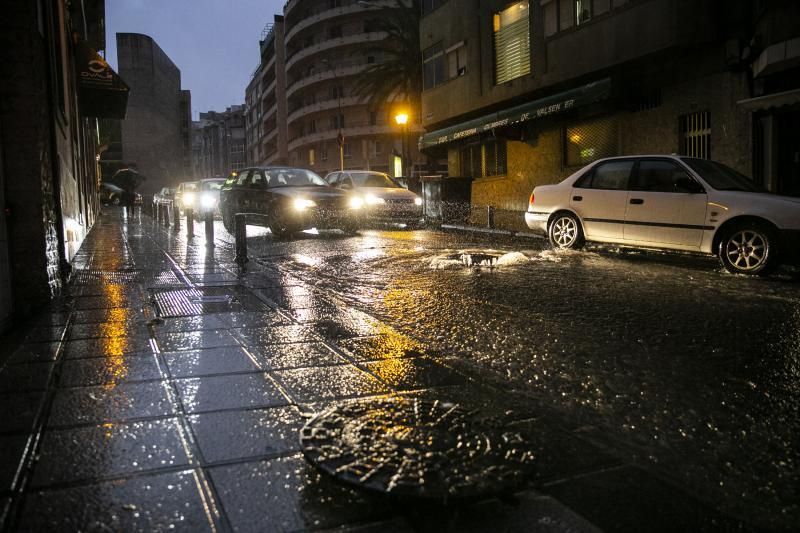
411,447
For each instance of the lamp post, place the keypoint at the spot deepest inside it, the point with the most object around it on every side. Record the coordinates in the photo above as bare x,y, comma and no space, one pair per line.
339,116
402,120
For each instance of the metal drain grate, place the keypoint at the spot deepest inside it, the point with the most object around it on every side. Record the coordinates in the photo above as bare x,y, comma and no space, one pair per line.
170,303
112,277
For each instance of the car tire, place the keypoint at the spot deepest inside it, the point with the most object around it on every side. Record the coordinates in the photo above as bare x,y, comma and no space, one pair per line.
750,249
565,232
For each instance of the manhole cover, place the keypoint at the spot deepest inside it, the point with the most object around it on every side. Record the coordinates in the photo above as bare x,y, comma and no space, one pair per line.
416,448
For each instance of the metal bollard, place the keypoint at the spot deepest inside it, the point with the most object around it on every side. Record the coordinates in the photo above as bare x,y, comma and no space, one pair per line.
240,232
490,217
176,216
209,219
189,222
154,212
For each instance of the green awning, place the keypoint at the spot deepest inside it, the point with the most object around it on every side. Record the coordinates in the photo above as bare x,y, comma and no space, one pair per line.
544,107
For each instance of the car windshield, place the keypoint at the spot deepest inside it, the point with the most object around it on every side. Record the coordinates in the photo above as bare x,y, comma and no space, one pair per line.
372,179
721,177
213,185
190,187
293,177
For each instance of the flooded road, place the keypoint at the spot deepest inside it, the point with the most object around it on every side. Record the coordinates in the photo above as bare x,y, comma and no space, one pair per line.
688,371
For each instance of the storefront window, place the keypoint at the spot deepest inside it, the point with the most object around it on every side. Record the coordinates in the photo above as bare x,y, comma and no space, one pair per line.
589,142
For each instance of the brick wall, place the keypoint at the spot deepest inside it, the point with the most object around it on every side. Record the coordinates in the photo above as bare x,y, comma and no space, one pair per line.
25,121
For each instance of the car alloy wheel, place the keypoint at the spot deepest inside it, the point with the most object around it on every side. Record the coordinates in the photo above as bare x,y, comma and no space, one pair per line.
746,251
565,232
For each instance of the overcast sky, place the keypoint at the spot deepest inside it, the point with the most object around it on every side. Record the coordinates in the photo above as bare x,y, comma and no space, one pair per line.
213,42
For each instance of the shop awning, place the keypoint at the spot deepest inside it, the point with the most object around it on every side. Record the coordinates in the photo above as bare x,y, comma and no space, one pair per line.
101,92
544,107
771,100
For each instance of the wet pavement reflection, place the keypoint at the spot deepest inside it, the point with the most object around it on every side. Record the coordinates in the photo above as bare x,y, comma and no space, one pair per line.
167,390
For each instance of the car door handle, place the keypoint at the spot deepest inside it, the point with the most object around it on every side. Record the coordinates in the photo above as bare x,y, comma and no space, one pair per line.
577,198
637,201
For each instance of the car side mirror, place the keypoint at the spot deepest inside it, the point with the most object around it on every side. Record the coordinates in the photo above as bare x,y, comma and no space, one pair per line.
687,184
346,186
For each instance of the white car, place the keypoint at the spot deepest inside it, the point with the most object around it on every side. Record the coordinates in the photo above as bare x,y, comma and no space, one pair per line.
670,202
209,197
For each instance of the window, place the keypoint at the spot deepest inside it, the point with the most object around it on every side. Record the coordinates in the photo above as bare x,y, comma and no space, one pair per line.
346,150
334,3
378,148
336,92
258,179
695,135
512,57
613,175
470,161
456,61
658,176
432,66
243,177
311,157
373,118
337,122
430,5
583,11
484,160
323,152
589,142
311,127
494,154
334,32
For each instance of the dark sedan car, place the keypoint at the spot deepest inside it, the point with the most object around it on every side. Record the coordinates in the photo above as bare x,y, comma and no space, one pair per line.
288,200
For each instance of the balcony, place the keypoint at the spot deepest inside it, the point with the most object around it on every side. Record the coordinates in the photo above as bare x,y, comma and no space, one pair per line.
343,70
358,38
327,14
356,130
325,105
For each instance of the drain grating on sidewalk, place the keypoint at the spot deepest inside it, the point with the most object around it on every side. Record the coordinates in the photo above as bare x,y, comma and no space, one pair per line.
173,303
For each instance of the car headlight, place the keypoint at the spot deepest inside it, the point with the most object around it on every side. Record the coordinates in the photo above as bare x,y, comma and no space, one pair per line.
371,199
303,203
356,202
417,201
188,199
208,201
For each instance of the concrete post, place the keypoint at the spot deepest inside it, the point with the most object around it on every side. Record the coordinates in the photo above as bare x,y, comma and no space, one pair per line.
490,217
189,222
240,231
176,216
209,220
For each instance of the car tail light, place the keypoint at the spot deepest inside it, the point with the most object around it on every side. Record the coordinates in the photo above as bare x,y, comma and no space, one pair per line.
530,201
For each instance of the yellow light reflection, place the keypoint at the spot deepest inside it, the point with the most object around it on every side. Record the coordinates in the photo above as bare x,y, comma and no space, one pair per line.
113,333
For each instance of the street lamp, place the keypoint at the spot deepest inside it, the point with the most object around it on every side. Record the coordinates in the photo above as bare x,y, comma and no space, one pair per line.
402,120
339,116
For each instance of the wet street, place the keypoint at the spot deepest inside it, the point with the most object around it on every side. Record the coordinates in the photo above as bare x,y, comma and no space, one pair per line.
655,391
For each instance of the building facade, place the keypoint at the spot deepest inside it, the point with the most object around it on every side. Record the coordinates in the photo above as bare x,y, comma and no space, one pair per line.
525,93
55,88
221,144
156,134
301,105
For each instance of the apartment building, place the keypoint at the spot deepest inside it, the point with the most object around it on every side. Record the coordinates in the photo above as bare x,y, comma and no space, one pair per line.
524,93
311,58
221,143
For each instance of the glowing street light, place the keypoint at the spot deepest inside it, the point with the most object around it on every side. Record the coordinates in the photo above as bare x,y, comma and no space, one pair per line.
402,120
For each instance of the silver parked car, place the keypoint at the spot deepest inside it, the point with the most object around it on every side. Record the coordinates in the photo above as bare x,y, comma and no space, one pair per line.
384,199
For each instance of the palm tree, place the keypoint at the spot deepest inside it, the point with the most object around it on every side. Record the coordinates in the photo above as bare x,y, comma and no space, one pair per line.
398,77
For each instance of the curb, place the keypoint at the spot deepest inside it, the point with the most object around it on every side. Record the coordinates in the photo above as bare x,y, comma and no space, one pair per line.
491,231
